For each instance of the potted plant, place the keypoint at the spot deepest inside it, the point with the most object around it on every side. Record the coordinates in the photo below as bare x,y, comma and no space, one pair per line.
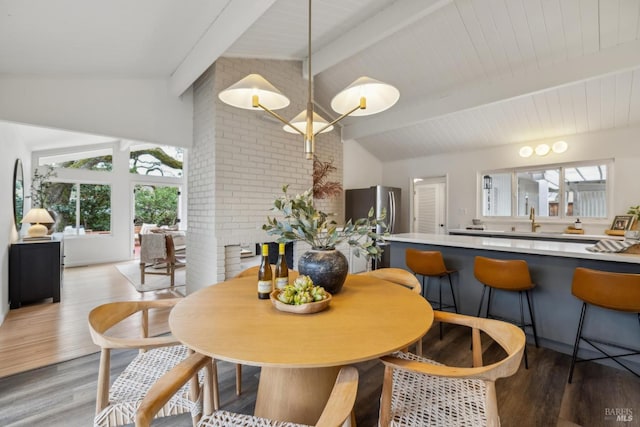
300,221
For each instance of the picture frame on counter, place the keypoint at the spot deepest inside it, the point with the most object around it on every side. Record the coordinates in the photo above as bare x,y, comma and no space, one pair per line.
622,222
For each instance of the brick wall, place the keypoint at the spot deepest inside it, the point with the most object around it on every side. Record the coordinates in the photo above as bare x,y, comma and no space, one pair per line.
239,161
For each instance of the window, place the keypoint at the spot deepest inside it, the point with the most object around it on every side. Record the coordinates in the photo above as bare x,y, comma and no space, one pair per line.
95,160
80,208
559,191
156,160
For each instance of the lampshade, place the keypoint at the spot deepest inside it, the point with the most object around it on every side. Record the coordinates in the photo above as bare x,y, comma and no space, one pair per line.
379,97
300,121
241,94
37,217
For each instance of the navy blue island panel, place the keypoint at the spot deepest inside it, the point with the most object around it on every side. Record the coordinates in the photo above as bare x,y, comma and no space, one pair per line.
551,265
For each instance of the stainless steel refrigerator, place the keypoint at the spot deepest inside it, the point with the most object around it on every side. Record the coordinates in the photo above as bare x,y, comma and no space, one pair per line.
359,201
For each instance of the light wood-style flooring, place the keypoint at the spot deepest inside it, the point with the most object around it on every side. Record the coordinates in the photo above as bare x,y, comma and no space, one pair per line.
63,394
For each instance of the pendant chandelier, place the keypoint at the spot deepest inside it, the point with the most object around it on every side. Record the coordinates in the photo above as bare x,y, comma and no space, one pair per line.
363,97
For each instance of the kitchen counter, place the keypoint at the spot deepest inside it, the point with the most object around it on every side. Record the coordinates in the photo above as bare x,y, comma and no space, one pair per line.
551,263
538,235
519,245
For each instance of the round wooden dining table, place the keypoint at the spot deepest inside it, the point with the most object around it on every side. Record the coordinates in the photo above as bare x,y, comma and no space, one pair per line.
299,354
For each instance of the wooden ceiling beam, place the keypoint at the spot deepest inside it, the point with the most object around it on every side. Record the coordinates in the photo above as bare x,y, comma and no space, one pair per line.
388,21
231,23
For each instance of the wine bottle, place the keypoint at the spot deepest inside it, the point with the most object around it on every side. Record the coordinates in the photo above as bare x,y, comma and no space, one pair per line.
265,277
282,270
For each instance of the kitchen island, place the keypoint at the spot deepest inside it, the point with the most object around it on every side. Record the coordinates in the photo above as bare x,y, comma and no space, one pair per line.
552,264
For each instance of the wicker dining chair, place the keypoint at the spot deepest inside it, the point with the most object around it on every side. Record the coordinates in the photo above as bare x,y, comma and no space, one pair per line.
419,391
403,278
337,410
117,405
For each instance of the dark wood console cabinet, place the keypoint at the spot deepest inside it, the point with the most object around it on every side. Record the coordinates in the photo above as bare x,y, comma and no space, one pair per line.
35,271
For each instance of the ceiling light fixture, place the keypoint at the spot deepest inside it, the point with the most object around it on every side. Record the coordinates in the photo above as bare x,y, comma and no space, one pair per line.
526,151
363,97
559,147
542,150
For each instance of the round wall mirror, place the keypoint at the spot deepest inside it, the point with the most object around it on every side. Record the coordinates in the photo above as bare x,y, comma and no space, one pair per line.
18,193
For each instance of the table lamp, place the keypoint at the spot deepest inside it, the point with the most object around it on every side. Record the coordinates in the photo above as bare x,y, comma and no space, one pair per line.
37,217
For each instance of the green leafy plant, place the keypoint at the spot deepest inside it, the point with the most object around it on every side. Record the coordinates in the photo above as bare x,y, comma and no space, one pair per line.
301,221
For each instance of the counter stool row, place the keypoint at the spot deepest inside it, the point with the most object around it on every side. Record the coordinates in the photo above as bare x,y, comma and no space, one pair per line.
609,290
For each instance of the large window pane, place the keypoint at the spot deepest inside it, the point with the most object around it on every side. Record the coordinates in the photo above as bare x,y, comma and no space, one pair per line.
80,208
586,191
96,160
538,189
95,208
496,191
156,160
561,191
156,205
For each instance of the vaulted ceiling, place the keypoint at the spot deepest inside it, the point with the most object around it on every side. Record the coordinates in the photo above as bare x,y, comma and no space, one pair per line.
471,73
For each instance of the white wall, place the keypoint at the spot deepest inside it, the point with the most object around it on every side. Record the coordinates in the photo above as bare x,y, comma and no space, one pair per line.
463,169
364,169
142,109
11,150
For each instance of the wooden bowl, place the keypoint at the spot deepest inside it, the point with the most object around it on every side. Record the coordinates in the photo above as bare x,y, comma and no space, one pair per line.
308,308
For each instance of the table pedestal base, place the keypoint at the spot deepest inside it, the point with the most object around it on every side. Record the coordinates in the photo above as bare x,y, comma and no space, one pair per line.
294,394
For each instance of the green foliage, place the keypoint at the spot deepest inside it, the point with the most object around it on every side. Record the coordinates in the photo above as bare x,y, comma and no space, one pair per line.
301,221
156,205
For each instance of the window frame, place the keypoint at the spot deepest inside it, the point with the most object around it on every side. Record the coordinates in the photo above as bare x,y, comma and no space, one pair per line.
561,217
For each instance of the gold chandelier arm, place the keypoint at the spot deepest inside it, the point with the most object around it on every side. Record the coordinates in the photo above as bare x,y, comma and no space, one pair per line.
338,119
279,117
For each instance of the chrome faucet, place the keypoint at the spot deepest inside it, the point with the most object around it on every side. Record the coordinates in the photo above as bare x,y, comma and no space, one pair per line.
532,217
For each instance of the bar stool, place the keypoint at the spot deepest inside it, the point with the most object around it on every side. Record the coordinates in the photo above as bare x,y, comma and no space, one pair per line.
614,291
506,275
430,264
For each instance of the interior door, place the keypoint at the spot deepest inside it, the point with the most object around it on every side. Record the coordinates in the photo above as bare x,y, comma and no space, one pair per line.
429,201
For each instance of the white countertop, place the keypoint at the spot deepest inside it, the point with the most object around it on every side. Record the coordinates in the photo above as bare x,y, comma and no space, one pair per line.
538,247
538,234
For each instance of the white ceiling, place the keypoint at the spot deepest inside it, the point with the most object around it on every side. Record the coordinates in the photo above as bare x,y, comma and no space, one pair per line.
471,73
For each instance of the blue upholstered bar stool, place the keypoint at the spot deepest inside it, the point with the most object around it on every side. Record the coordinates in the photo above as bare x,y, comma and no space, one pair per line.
613,291
506,275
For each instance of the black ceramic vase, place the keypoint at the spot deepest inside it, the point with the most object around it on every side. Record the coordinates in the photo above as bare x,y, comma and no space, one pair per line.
326,268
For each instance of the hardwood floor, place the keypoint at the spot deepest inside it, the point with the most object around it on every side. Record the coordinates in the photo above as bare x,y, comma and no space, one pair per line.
63,394
37,335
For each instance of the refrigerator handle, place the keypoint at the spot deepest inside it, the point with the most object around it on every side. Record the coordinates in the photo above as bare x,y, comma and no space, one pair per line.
392,214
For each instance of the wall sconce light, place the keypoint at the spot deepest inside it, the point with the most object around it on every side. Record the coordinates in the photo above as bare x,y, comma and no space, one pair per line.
542,150
487,182
558,147
526,151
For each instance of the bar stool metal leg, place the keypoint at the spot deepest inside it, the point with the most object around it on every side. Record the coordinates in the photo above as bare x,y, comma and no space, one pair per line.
453,295
533,321
526,360
484,288
577,343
